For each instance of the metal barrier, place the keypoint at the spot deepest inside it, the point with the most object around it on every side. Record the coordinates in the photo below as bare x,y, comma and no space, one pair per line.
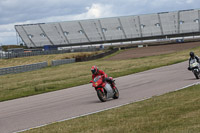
60,62
23,68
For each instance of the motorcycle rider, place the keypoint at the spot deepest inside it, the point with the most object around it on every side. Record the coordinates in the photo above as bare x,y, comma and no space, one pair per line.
96,72
193,58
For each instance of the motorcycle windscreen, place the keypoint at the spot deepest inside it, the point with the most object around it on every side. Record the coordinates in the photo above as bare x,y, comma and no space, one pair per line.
96,78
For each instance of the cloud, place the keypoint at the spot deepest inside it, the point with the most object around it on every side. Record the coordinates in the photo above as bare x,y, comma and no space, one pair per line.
96,11
14,12
8,34
189,1
92,12
22,10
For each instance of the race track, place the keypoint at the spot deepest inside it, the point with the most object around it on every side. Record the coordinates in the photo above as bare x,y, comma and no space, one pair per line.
25,113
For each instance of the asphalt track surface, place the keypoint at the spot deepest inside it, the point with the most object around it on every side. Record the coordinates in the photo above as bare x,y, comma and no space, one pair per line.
25,113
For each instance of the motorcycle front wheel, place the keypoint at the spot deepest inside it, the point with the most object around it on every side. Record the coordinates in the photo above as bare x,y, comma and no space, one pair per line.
101,95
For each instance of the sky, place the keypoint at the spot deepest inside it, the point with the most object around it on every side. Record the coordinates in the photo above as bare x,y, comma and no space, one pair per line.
17,12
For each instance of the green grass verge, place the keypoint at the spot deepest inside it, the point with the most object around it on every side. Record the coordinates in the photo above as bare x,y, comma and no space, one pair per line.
175,112
54,78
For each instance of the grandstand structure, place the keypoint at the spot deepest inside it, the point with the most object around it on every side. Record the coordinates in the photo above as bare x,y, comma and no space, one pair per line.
110,30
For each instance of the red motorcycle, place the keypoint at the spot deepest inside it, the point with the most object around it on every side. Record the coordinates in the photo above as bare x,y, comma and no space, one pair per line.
104,89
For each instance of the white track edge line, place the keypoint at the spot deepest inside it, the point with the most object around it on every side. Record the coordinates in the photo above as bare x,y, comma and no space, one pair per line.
74,117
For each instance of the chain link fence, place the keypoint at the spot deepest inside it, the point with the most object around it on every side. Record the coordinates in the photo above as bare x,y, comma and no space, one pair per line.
35,53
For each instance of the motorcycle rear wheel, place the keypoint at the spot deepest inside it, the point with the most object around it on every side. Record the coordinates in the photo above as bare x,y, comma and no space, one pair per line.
101,95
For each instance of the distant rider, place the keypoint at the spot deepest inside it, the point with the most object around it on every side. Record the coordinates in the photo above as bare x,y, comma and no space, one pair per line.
96,72
193,58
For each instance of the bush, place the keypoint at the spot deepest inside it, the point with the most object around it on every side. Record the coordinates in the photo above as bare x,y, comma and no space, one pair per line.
111,47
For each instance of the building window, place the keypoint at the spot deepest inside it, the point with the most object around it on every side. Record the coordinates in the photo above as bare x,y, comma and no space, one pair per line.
81,32
196,20
30,36
43,35
119,28
157,24
142,26
181,22
66,33
104,30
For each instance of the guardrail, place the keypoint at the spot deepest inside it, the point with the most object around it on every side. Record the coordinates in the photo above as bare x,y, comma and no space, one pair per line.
60,62
23,68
